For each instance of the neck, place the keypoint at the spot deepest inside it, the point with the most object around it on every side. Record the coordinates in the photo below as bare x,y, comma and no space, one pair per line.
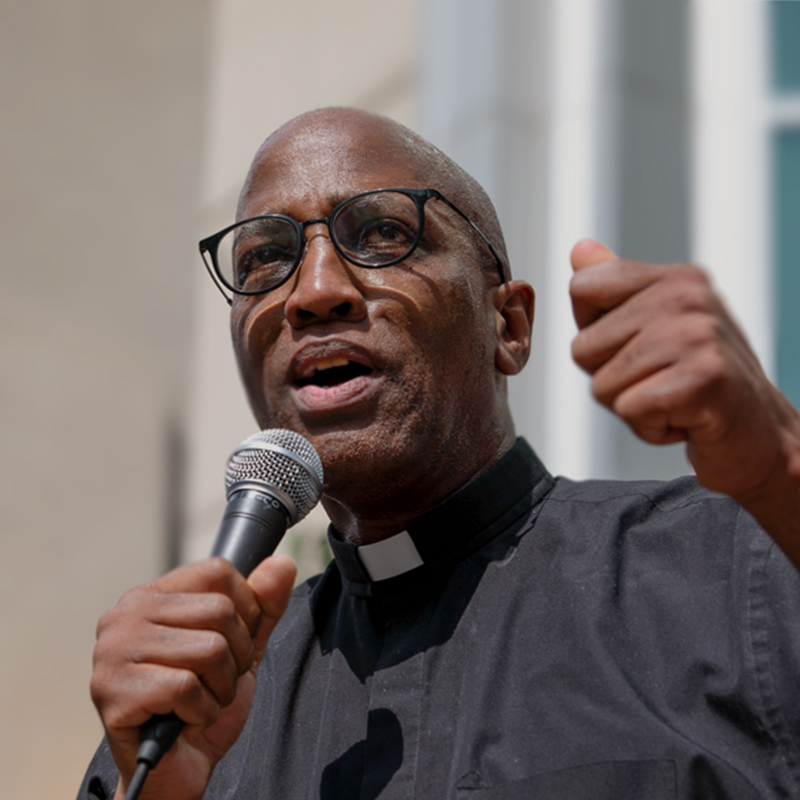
363,517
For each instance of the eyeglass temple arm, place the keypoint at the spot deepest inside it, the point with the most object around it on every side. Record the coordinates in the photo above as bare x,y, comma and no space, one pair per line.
204,248
500,265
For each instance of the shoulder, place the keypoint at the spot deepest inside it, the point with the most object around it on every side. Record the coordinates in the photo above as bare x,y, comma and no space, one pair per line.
665,528
644,505
664,495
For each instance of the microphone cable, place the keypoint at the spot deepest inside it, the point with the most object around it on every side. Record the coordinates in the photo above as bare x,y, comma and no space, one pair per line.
158,735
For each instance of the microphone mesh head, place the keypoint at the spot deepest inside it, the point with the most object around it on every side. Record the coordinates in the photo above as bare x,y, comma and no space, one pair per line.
281,460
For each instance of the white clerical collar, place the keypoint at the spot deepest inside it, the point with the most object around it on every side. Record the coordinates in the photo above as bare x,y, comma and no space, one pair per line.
390,557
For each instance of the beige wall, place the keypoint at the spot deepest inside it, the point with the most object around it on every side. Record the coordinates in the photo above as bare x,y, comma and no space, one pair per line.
126,129
102,128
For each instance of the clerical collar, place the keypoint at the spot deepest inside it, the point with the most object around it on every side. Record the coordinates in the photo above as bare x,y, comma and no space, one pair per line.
452,530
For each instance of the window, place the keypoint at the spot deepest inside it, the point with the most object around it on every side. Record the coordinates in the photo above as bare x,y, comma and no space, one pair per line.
785,152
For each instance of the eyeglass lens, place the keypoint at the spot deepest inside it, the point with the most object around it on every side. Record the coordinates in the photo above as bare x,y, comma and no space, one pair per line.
373,230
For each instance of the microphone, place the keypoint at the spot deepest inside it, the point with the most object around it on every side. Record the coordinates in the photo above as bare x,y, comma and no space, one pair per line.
274,478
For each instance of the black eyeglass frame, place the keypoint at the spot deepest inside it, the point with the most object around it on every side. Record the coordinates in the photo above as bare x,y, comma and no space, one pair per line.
210,244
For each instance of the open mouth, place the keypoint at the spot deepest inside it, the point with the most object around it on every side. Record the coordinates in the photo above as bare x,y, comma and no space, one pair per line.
333,372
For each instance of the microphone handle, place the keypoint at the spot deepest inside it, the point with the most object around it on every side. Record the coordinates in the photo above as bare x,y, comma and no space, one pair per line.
252,527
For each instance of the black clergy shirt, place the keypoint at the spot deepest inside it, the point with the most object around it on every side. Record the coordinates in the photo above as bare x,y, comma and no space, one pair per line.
564,641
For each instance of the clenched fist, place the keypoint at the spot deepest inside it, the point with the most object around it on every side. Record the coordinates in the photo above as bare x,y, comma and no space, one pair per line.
666,357
188,643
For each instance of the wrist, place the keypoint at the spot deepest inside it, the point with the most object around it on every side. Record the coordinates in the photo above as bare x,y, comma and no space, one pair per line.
775,502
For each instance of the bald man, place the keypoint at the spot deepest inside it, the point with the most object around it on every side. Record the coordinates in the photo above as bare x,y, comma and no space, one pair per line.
484,630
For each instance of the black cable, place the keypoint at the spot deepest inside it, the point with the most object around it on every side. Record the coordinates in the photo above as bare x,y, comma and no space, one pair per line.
137,781
158,735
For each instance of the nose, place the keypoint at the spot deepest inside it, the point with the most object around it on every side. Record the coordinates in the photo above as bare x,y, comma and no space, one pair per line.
323,289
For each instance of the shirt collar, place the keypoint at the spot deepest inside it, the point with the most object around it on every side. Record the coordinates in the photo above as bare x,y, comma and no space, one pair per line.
449,532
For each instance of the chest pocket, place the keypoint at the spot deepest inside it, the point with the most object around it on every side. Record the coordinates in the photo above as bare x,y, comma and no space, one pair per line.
609,780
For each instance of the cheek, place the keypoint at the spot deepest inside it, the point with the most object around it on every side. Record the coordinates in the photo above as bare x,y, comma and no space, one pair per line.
255,331
460,344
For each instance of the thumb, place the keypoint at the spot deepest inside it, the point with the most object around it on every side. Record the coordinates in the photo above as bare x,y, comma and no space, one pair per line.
272,582
588,252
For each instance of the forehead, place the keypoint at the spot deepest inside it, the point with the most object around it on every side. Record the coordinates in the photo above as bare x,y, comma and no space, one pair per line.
307,169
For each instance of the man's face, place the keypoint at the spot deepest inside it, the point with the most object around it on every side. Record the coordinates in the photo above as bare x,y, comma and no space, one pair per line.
390,372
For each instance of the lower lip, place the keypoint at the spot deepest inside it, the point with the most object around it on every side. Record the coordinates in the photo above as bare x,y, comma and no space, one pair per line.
331,398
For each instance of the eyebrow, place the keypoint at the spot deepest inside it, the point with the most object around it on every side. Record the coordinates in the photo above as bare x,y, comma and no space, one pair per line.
333,200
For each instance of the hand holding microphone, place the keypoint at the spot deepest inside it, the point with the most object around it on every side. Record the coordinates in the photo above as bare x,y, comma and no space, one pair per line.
190,642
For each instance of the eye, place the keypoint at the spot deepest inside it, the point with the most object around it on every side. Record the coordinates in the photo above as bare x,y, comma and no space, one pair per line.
264,259
377,228
262,254
385,230
268,253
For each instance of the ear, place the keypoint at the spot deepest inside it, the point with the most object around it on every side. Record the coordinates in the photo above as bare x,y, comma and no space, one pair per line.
514,303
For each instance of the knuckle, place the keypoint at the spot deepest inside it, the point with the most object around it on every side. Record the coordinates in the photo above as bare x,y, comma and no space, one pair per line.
629,410
188,687
101,655
587,351
691,273
136,593
98,687
107,620
221,609
218,569
602,392
704,337
108,695
114,716
690,297
215,649
226,695
577,285
578,349
691,288
710,368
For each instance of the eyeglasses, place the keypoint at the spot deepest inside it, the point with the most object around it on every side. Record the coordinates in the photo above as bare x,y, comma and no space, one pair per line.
372,229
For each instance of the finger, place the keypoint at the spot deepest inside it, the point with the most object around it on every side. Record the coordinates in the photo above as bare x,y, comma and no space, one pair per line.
588,252
597,343
661,409
212,613
272,582
214,575
150,690
686,340
687,398
204,652
608,286
642,296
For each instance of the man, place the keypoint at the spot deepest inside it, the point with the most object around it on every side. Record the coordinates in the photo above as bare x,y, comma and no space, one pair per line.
519,636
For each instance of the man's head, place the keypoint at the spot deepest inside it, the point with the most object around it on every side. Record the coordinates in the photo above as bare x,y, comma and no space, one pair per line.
396,375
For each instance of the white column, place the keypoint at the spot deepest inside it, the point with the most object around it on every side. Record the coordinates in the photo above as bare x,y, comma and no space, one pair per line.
509,90
574,425
731,161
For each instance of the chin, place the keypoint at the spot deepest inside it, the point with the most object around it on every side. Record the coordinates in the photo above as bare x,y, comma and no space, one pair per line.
358,456
359,448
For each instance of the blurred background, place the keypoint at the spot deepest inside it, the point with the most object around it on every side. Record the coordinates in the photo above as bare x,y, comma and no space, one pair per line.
669,130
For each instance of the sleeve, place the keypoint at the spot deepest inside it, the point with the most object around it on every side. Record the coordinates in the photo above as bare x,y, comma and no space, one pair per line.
100,780
773,618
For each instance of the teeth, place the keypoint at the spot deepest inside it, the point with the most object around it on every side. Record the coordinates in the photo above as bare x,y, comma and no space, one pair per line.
325,363
329,363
